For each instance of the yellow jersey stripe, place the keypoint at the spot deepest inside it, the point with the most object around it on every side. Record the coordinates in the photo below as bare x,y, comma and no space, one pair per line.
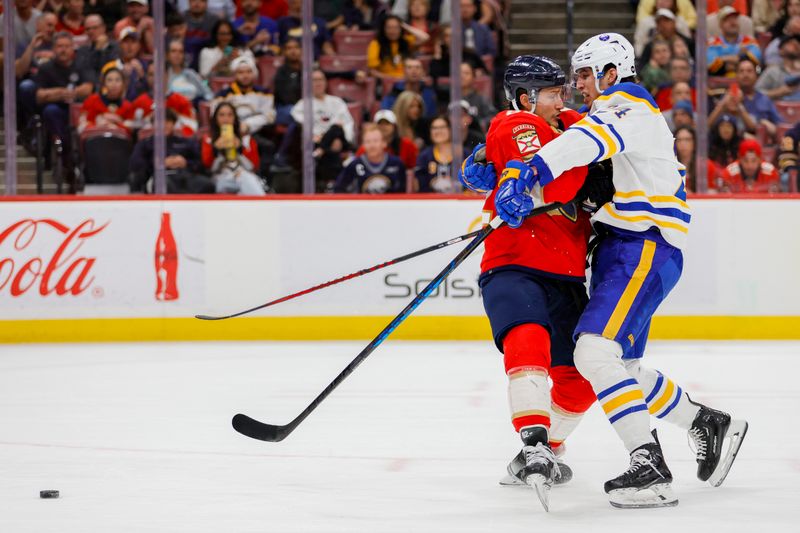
612,146
622,399
660,223
629,294
669,199
632,99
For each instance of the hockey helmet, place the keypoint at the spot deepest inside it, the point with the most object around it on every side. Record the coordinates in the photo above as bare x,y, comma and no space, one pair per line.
601,50
531,73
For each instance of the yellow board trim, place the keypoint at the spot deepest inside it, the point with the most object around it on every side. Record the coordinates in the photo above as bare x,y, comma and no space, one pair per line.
622,399
638,218
328,328
662,401
629,294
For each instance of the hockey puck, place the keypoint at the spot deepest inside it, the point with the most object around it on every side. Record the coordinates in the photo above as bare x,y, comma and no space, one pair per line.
48,494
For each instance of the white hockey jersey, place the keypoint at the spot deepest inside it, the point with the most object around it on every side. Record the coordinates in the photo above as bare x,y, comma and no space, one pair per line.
626,125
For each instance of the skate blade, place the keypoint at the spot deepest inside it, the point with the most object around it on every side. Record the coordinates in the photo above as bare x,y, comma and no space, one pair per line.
659,495
736,432
542,486
512,481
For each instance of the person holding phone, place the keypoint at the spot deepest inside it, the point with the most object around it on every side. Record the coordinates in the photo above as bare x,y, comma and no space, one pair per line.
732,103
215,59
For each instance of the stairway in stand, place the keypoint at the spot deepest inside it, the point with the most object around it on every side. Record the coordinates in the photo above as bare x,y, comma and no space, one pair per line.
26,169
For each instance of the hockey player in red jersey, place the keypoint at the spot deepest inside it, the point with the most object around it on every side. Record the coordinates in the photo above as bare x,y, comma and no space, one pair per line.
532,277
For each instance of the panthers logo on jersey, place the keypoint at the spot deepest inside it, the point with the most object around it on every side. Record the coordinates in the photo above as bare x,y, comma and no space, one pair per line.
528,143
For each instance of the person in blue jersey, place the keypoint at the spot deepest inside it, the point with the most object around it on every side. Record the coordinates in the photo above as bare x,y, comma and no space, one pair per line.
434,170
375,171
635,265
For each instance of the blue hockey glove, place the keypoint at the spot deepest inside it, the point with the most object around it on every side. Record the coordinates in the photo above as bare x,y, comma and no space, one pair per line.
475,174
513,201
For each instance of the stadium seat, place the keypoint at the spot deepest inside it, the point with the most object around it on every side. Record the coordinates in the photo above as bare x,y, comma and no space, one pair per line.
217,83
352,43
350,91
340,63
789,111
106,152
267,67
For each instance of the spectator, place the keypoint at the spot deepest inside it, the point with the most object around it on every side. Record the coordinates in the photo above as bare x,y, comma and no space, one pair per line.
215,60
254,105
765,14
331,11
176,28
647,26
787,159
363,14
257,31
483,110
782,82
434,170
757,104
185,117
411,124
413,80
681,49
732,104
51,6
750,173
137,19
396,145
772,53
100,50
440,66
273,9
682,115
38,52
724,142
666,30
713,20
655,73
477,36
292,26
109,10
72,19
680,70
418,18
108,107
387,52
288,82
685,10
184,168
200,25
724,51
231,158
59,83
791,8
438,13
374,172
471,134
134,67
25,17
685,149
183,80
681,92
333,128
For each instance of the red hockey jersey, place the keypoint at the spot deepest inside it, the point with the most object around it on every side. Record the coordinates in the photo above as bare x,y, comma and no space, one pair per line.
553,243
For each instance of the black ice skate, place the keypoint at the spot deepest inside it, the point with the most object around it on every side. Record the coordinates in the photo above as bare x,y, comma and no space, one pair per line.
707,436
513,478
646,483
540,463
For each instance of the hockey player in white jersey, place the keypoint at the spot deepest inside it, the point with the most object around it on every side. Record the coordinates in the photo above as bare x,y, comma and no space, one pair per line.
635,266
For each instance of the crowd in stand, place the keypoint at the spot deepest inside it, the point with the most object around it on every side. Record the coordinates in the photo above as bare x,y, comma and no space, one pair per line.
234,109
380,89
753,59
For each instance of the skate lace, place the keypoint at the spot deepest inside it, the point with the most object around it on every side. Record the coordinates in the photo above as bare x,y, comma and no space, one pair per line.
697,443
542,452
639,459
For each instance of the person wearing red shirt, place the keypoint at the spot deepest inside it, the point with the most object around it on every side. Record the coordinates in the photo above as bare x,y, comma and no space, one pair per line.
186,123
750,173
273,9
72,19
108,107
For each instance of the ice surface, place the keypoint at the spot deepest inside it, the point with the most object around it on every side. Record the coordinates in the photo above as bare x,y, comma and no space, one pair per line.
137,438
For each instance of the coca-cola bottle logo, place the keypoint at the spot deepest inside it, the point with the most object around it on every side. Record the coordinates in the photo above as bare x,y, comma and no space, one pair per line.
62,272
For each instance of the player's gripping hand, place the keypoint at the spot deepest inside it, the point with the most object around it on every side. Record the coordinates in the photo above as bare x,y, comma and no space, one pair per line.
475,174
513,201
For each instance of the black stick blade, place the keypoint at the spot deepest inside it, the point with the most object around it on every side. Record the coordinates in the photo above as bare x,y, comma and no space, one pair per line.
209,317
254,429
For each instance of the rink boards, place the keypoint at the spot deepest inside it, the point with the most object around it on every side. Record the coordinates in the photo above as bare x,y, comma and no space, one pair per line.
85,270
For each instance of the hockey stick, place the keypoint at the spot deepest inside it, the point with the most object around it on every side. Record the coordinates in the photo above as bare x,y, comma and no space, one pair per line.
271,433
361,272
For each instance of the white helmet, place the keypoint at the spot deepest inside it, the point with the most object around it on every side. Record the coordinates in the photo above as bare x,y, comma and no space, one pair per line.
600,50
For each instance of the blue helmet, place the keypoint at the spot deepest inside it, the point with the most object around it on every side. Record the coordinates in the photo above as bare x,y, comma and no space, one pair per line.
531,73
